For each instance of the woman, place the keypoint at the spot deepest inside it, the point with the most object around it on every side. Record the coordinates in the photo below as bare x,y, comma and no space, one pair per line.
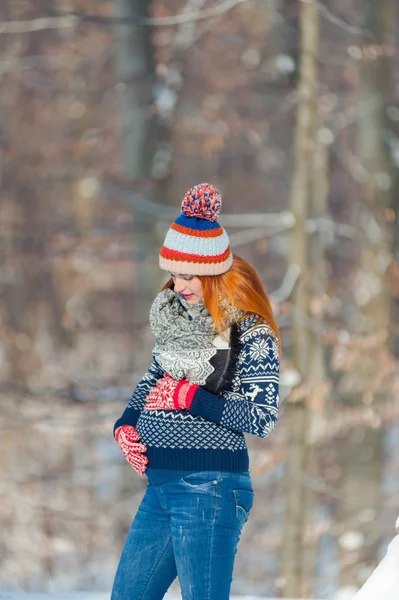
213,377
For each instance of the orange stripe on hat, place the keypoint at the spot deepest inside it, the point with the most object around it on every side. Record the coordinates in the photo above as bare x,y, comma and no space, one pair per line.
194,258
206,233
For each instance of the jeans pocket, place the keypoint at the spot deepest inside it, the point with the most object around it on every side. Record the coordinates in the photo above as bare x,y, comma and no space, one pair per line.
244,500
200,480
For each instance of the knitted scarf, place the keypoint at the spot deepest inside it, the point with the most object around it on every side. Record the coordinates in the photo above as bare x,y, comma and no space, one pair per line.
184,334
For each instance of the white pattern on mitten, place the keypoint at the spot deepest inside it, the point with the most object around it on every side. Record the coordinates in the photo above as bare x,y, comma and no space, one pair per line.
127,437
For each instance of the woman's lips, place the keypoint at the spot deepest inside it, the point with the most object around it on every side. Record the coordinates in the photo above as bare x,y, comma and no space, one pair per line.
187,296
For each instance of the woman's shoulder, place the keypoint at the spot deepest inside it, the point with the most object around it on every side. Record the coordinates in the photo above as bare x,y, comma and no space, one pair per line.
258,342
253,326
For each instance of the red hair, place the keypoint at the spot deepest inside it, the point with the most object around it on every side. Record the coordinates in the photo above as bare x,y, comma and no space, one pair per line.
242,288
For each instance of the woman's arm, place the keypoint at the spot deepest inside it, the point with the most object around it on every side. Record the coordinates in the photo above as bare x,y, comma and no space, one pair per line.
254,408
138,398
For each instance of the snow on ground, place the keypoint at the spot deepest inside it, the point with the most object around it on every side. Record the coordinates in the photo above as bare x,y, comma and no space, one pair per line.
382,584
95,596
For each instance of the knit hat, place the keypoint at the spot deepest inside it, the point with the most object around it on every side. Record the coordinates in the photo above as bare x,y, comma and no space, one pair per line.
196,244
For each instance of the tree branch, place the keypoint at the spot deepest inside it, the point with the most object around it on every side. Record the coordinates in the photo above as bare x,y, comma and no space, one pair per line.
288,284
39,24
220,9
166,213
72,19
336,20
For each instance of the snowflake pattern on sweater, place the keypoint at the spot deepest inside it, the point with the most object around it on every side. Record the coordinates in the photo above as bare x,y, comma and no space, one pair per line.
211,435
252,404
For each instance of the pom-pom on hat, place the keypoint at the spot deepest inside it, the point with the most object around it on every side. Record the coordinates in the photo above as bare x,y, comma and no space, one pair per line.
196,244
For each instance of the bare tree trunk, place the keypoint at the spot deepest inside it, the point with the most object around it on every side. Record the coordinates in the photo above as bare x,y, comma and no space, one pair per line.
361,453
297,413
320,180
376,89
30,299
140,127
136,78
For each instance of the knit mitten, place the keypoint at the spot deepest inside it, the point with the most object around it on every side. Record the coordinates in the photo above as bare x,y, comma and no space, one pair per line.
127,438
169,394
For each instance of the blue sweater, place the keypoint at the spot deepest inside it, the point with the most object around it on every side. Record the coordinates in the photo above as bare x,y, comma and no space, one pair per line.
210,436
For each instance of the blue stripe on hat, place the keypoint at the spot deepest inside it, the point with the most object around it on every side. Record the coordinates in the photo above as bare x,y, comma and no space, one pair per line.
196,224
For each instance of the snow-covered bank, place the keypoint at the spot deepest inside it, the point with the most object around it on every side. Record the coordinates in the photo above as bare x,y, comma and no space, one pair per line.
384,582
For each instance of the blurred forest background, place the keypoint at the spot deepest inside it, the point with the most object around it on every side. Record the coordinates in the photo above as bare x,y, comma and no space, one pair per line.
109,111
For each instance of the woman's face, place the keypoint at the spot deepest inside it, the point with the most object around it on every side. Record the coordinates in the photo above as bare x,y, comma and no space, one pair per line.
189,286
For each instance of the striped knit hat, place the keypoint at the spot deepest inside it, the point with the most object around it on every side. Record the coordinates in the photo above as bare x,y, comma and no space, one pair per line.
196,244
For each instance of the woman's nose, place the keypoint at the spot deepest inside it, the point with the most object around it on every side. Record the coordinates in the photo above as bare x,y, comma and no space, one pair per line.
179,285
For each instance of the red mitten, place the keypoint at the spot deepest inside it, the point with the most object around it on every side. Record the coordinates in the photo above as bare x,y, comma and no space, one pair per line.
169,394
127,438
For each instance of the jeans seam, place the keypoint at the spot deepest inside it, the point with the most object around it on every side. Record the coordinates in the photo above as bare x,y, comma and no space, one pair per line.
155,568
213,536
208,591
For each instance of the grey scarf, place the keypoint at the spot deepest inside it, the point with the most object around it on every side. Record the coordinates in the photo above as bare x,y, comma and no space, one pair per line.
184,333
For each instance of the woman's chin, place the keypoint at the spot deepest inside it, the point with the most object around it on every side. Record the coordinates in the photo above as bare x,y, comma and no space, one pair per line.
193,300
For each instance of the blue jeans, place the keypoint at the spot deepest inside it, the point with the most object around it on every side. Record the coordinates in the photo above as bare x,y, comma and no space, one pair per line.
187,525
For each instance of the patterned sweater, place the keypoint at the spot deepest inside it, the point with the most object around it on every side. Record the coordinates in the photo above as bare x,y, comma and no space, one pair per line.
211,435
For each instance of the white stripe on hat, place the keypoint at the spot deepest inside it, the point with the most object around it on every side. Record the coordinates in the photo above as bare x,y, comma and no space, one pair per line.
192,244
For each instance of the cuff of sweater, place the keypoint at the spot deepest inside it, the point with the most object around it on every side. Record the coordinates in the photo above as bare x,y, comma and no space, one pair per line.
129,417
184,394
207,405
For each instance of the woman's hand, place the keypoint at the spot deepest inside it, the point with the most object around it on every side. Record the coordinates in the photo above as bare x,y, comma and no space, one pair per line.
127,437
169,394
